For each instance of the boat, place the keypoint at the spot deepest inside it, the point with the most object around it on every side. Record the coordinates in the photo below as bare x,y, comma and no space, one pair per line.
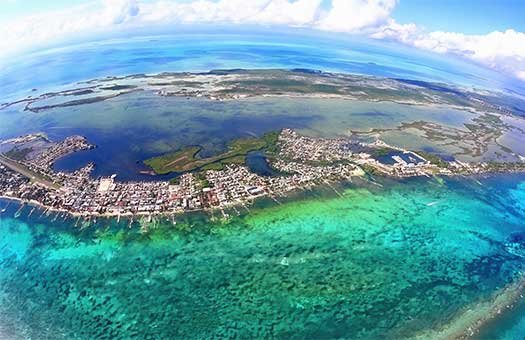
19,211
43,212
5,209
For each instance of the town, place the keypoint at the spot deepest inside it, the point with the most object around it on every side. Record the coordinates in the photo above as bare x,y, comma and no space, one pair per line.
302,162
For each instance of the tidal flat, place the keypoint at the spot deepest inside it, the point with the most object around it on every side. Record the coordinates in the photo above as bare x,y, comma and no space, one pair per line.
403,260
134,127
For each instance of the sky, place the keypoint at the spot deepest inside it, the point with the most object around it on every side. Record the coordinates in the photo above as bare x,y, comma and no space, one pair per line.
464,16
487,32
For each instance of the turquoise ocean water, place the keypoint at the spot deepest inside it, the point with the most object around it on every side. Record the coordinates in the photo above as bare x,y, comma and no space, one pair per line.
398,261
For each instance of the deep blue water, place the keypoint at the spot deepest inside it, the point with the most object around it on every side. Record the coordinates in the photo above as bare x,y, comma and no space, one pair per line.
198,51
257,163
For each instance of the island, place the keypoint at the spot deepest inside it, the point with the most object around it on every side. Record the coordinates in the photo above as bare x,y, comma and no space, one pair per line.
238,84
219,183
223,181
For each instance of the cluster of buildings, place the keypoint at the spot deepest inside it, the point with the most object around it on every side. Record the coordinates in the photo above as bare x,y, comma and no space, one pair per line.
305,149
339,156
43,161
302,162
235,185
16,185
57,150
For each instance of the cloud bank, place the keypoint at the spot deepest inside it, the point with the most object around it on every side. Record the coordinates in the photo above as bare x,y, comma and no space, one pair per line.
502,51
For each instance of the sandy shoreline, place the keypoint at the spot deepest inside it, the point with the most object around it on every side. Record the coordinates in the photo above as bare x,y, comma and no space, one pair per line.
235,204
475,317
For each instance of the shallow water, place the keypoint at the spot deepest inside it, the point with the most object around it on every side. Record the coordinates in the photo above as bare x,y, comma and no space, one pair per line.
390,262
511,326
131,128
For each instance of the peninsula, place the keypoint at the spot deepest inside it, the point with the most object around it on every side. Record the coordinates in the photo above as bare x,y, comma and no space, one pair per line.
223,180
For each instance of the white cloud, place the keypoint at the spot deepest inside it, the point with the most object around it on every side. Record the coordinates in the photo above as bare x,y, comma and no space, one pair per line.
110,15
355,15
55,25
282,12
300,13
120,11
502,51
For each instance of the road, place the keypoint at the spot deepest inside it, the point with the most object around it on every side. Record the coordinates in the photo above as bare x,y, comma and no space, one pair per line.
34,177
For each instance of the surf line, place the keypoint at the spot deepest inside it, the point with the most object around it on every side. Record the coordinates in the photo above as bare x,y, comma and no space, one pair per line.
476,316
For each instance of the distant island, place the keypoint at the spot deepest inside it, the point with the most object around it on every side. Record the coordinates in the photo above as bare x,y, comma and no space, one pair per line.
238,84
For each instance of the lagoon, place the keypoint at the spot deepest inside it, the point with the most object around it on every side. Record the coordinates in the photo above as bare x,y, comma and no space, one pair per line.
134,127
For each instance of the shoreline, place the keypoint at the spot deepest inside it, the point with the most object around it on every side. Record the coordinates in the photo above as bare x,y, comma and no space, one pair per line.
290,194
473,318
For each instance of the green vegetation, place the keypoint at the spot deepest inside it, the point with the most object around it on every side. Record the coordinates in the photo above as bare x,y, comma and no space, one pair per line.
280,85
203,182
175,181
370,170
215,166
219,165
379,152
18,154
174,161
271,139
434,159
186,159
